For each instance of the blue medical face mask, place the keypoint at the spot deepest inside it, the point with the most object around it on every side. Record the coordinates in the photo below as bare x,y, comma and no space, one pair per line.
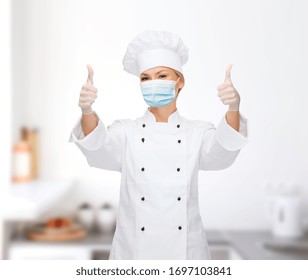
158,93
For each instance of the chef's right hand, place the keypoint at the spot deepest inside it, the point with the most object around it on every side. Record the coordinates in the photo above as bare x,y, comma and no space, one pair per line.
88,93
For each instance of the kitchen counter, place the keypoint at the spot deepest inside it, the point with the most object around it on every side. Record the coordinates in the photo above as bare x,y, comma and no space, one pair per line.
28,201
250,245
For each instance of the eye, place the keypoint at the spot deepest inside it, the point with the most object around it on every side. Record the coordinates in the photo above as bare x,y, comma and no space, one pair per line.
142,79
164,76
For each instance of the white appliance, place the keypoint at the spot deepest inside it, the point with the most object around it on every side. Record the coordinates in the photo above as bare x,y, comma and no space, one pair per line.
285,211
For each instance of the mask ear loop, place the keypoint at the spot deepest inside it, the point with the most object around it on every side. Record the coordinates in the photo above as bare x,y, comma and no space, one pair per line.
175,84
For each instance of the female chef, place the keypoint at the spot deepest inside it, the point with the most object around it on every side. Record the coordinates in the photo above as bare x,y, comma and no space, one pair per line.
160,153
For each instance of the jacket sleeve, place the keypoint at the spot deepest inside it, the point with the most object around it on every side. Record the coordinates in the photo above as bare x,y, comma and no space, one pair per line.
103,148
221,146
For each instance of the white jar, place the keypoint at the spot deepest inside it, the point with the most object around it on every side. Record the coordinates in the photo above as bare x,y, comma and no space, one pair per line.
85,216
106,218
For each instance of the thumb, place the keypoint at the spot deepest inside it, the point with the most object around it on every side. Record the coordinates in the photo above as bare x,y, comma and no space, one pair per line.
228,75
90,74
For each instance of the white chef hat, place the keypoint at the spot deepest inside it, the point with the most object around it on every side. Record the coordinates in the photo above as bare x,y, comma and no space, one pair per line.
153,48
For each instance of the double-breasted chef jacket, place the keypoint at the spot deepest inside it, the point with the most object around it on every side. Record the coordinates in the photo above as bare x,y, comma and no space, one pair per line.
158,215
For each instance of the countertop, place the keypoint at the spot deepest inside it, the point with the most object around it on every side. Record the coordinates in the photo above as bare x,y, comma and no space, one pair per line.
28,201
250,244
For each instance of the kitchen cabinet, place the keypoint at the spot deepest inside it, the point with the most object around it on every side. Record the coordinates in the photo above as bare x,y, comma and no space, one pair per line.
44,252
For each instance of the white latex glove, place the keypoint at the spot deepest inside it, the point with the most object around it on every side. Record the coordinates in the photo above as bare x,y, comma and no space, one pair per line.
88,93
228,94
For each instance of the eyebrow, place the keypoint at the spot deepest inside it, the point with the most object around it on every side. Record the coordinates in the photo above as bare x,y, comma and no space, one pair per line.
156,73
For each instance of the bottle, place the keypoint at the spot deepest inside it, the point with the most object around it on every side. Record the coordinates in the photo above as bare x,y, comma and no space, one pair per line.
21,162
31,137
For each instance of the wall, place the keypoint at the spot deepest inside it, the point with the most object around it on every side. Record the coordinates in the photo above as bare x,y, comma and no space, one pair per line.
54,40
6,110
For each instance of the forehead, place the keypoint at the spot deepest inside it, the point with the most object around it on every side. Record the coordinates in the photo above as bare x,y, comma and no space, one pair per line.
155,70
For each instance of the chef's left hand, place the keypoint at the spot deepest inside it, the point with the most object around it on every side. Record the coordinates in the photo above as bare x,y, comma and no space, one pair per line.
227,93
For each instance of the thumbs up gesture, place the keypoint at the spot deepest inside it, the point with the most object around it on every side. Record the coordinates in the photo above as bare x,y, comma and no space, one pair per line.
227,93
88,93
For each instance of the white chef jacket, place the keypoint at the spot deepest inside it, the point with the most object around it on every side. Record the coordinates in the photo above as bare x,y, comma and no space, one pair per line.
158,215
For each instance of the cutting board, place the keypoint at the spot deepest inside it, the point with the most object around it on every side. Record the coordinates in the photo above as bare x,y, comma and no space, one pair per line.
41,233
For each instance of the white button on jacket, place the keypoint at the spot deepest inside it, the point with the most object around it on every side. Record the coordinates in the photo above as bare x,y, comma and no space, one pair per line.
158,215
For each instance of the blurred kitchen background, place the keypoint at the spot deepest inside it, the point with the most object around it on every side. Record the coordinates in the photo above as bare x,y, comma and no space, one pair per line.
55,206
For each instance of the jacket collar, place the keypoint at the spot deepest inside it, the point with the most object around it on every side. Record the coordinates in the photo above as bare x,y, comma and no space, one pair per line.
173,118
